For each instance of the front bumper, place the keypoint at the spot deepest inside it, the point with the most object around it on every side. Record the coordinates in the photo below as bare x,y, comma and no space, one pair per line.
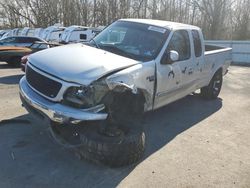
57,112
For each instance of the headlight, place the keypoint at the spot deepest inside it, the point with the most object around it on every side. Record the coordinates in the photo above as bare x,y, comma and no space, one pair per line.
86,97
80,97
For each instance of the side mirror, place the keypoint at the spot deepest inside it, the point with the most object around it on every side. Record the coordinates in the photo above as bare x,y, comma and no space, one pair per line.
170,57
173,56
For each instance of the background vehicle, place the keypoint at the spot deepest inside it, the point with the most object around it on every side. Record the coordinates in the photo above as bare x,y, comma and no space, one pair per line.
100,91
10,32
52,33
75,34
38,32
15,32
31,32
35,47
24,31
20,41
12,55
2,32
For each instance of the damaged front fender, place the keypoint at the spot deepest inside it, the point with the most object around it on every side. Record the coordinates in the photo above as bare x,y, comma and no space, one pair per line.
134,79
121,87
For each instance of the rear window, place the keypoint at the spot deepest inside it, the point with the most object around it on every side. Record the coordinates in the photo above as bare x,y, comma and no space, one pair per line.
197,43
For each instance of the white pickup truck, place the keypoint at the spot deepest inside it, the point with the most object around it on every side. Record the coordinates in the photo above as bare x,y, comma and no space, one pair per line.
94,94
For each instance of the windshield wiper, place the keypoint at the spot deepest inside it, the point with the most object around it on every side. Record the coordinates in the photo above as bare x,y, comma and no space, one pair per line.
115,49
95,43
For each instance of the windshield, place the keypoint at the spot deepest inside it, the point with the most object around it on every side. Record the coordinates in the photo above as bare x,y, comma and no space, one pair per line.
133,40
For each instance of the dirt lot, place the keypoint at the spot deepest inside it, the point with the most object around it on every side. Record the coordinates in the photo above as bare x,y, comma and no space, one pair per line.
190,143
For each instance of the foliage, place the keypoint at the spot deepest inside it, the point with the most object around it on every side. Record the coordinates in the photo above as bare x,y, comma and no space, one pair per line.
219,19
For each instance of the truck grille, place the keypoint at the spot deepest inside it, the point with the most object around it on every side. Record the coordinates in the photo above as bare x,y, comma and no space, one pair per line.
43,84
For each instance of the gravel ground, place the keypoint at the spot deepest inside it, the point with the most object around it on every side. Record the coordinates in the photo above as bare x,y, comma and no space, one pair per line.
190,143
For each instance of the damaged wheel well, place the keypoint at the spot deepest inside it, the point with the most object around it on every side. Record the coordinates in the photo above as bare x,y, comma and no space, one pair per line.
124,105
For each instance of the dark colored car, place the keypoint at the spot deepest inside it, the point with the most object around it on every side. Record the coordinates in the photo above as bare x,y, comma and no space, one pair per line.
13,54
20,41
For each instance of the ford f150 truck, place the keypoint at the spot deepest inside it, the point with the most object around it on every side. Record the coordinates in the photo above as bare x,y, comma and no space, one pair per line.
94,94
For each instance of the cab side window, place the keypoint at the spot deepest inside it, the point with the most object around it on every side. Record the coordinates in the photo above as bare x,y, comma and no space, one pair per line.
197,43
180,43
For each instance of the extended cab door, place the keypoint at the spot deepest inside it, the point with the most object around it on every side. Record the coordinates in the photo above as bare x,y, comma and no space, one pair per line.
199,71
175,79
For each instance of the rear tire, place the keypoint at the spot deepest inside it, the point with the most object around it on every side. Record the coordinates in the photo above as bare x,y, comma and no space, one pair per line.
213,89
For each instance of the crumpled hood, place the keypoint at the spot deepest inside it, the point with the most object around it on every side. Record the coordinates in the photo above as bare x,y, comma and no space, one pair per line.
79,63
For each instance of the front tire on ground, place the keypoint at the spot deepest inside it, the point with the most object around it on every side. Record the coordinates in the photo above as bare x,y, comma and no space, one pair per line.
117,141
110,145
124,147
213,89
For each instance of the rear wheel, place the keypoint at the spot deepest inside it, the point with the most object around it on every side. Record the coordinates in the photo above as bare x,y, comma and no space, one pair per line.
213,89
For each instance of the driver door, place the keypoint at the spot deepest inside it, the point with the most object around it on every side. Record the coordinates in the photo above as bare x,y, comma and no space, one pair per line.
174,78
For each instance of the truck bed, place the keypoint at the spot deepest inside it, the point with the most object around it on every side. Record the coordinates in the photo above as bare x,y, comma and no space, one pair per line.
209,47
223,52
217,56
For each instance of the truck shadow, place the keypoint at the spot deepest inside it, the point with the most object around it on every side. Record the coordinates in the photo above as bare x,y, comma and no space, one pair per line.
11,80
166,123
37,157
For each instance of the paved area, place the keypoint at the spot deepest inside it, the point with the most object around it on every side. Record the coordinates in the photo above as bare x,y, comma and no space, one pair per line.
190,143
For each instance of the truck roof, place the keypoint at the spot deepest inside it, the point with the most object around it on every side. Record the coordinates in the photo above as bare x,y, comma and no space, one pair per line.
162,23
